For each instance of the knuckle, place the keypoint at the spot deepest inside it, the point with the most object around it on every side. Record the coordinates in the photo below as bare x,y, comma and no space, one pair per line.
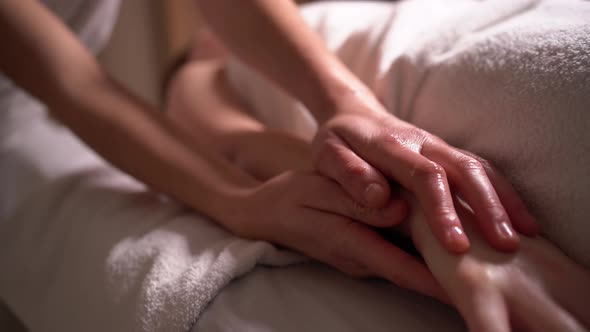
410,138
354,170
486,164
328,154
445,216
330,146
469,164
473,276
429,171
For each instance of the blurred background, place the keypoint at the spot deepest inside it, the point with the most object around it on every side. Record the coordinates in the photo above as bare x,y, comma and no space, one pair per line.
149,34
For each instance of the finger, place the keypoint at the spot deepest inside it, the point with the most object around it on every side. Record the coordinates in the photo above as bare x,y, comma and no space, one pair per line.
387,261
328,196
428,181
486,311
317,238
470,178
538,312
522,220
360,180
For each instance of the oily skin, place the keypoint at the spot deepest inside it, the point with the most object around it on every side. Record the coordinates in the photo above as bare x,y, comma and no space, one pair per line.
493,291
354,147
359,144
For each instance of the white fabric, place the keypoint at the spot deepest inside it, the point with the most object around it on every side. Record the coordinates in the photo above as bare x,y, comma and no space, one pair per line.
89,249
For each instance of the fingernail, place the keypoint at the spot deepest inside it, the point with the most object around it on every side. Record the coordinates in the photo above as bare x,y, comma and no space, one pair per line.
457,239
374,194
504,230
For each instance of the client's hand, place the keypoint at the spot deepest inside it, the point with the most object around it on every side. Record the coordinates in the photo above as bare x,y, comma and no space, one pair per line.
363,145
536,289
313,215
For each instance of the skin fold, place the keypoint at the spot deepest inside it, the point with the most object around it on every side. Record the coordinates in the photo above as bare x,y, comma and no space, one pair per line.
537,288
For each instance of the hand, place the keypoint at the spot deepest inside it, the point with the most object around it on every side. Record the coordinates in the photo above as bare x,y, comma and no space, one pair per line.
311,214
537,288
360,149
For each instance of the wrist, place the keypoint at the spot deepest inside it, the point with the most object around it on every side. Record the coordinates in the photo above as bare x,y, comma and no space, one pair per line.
335,100
345,96
234,210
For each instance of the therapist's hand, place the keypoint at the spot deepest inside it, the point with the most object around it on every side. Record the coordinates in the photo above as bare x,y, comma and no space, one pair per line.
360,148
313,215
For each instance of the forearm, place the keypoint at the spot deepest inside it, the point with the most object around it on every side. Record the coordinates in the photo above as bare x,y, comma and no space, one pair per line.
143,143
44,58
298,60
202,105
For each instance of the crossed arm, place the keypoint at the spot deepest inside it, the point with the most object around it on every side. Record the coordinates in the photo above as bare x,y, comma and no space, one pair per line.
494,291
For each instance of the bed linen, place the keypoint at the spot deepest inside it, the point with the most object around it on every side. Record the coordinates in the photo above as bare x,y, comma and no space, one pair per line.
85,247
313,297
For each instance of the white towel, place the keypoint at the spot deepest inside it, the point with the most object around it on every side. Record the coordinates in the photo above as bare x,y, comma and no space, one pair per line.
84,247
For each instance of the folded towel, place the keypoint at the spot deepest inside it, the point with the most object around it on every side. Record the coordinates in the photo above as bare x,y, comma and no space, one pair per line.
84,247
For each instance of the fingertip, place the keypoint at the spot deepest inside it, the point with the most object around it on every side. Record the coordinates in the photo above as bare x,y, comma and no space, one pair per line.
506,238
376,195
508,246
456,241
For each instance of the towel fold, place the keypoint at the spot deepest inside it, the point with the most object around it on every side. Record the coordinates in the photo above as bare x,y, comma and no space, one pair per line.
84,247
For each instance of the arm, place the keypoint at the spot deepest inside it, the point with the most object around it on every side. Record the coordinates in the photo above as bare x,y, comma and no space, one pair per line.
536,289
493,291
291,206
359,144
298,61
44,58
201,104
